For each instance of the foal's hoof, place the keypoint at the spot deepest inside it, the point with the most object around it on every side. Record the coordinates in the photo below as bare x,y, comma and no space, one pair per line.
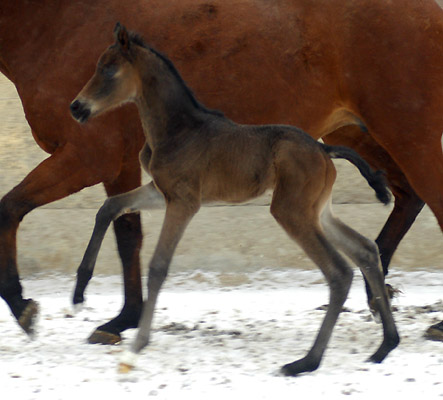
102,337
299,367
435,332
28,317
124,368
127,362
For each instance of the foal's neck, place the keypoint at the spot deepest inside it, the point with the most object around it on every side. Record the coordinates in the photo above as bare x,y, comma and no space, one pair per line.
165,106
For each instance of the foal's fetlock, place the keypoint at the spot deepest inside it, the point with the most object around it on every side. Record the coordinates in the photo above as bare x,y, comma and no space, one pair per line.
83,278
109,211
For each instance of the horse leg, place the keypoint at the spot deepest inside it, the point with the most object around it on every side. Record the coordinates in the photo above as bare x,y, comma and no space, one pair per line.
51,180
407,204
421,159
143,198
176,219
128,232
301,223
364,253
406,208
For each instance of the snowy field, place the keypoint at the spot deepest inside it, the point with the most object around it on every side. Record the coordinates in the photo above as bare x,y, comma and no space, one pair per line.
213,341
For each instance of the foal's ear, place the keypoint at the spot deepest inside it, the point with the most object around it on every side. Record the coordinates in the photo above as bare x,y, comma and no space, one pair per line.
121,36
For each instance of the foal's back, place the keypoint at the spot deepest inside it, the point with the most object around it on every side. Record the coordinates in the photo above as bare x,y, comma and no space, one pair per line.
241,162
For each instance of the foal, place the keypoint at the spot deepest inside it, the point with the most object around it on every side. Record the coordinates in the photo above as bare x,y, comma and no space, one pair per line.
196,155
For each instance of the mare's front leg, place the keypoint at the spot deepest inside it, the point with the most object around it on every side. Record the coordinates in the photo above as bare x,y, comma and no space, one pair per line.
49,181
178,215
143,198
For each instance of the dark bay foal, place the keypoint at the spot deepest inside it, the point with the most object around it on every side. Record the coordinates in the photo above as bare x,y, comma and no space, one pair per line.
196,155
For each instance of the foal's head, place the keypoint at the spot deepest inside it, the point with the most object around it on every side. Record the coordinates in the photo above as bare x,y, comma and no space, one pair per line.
114,82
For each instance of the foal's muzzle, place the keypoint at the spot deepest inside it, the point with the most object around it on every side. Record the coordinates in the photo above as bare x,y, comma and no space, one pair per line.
80,111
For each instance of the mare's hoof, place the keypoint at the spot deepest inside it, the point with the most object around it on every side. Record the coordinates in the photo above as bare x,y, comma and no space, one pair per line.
28,317
435,332
102,337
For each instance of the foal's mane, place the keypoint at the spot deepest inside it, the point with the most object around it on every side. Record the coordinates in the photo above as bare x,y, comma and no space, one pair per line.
139,41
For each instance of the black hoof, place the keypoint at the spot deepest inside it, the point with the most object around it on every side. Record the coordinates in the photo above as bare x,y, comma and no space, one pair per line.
298,367
83,278
286,370
386,347
435,332
376,358
102,337
78,299
28,317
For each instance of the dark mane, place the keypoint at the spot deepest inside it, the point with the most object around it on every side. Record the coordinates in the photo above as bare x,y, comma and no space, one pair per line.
139,41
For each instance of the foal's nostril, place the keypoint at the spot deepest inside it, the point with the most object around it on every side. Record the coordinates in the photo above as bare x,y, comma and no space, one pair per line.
80,111
75,106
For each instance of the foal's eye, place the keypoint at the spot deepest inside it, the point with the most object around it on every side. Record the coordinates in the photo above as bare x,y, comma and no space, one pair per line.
109,71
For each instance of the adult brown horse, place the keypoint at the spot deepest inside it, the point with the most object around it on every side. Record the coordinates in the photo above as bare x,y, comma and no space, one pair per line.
364,73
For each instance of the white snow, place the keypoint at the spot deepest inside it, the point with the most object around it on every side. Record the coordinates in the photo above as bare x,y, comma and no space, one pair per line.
213,341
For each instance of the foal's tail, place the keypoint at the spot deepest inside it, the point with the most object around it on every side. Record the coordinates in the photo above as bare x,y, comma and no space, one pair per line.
376,179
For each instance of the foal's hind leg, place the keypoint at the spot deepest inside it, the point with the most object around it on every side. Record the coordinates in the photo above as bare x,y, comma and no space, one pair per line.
305,229
177,217
364,253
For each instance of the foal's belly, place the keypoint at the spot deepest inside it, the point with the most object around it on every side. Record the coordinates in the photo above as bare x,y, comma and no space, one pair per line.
235,188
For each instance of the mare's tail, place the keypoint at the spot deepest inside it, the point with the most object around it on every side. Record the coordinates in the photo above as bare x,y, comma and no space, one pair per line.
375,179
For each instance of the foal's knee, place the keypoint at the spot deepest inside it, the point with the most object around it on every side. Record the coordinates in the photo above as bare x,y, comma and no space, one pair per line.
108,212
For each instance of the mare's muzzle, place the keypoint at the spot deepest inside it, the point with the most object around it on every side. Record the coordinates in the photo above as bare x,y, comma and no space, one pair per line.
80,111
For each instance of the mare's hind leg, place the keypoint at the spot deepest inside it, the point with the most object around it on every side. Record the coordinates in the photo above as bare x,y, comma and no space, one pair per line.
142,198
177,217
364,253
304,228
424,170
407,204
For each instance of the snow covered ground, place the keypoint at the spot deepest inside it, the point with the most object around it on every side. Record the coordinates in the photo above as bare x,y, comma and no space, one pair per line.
216,341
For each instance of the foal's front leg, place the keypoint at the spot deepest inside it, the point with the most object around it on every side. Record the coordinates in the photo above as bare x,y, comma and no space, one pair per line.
143,198
177,217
